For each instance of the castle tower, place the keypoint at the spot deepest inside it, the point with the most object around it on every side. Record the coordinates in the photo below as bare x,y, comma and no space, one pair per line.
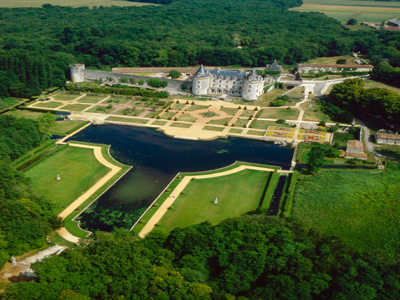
77,74
253,86
201,82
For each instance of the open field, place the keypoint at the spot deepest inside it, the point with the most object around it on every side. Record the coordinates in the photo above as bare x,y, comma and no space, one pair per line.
367,11
237,194
368,84
78,169
331,60
73,3
359,207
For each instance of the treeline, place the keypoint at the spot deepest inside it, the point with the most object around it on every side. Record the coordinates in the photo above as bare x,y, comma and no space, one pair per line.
154,1
186,33
352,96
386,73
25,73
254,257
118,89
25,219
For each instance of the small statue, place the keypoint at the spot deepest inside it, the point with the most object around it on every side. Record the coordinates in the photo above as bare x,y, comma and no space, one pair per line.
13,262
216,201
58,177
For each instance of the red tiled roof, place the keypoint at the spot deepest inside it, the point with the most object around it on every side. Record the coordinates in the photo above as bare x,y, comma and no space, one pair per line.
355,144
385,135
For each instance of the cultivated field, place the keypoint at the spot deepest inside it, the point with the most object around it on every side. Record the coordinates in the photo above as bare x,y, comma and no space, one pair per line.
73,3
237,194
360,207
342,10
78,169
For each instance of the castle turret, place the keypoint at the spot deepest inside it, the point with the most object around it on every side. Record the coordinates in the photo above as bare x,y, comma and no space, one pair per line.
77,74
253,86
201,82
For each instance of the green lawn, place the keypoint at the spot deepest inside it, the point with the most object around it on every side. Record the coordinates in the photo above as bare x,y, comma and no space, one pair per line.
229,111
91,99
391,151
159,123
24,113
241,122
368,84
119,100
341,138
279,113
98,109
178,106
181,125
223,121
63,127
196,107
186,118
48,104
237,194
360,207
235,130
213,128
7,102
168,115
78,169
258,124
267,98
65,97
75,107
314,113
256,132
127,120
247,113
134,112
297,92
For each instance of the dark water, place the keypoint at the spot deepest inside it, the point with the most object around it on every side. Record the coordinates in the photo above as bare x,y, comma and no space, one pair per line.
156,159
274,206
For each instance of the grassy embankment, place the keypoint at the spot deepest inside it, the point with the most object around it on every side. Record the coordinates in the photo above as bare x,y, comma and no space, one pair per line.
224,188
358,206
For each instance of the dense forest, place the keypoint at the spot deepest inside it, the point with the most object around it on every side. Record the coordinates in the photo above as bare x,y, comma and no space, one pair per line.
25,219
352,96
183,33
253,257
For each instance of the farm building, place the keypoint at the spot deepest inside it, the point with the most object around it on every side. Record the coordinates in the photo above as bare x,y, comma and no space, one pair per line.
355,149
394,23
382,137
306,68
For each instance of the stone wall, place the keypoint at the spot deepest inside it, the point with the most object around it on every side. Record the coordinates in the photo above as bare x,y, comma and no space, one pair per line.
172,83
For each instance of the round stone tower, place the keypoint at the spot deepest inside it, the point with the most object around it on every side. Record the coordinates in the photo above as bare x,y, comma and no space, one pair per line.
201,82
253,86
77,74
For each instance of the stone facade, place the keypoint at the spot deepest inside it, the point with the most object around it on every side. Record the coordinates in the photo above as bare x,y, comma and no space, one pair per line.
80,74
383,137
233,83
306,68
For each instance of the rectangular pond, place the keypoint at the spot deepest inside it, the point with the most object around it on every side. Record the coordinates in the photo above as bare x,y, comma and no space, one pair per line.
156,159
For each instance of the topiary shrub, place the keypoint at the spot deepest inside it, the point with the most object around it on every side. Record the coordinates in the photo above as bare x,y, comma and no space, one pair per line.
280,121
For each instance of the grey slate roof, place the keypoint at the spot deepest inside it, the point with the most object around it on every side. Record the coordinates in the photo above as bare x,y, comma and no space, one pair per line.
224,73
253,73
274,67
394,21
